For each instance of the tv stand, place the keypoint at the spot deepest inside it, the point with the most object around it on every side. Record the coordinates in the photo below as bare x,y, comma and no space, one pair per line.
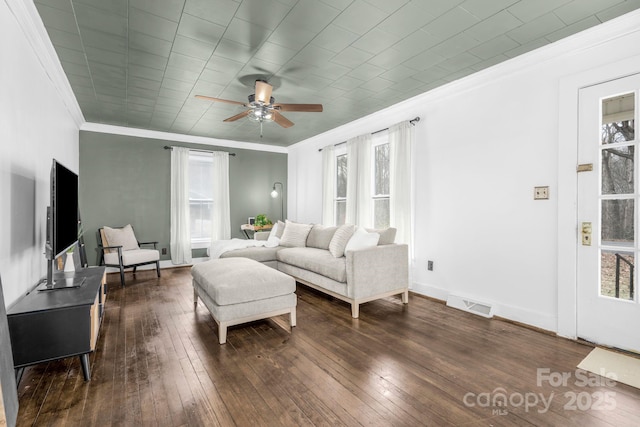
46,326
69,281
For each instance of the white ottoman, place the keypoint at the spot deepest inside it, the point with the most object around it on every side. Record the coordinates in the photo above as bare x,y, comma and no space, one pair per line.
240,290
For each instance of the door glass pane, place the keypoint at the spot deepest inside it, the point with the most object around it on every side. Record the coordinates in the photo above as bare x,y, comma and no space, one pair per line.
618,124
616,275
617,223
617,170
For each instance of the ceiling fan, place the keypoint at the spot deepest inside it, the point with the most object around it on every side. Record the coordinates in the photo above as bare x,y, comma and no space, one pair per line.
262,106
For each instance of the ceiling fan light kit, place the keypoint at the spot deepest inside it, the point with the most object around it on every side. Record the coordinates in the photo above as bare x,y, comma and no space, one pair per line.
262,107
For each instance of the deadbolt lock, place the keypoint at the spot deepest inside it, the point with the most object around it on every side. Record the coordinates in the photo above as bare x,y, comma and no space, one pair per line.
586,234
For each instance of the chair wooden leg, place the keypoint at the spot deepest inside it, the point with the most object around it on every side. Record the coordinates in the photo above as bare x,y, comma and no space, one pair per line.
122,275
158,268
195,297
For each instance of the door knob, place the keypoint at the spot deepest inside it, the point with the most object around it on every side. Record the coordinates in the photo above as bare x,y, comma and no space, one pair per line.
586,234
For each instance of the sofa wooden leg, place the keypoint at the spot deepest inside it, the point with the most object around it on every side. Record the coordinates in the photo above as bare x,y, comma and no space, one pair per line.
355,310
222,333
405,297
195,297
292,317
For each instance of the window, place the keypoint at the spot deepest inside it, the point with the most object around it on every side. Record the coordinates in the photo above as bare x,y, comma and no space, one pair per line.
379,185
341,189
200,198
381,210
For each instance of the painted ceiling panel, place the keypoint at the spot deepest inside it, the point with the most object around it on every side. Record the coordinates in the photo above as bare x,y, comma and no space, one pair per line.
140,63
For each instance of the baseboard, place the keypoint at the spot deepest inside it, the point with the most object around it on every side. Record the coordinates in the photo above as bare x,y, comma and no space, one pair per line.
521,315
430,291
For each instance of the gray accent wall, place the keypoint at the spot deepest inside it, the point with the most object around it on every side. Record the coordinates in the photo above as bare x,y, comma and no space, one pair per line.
126,180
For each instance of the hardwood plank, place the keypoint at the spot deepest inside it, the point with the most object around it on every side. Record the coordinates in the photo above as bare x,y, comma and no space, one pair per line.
158,362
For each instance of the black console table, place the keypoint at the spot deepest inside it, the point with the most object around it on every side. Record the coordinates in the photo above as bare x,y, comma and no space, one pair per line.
54,324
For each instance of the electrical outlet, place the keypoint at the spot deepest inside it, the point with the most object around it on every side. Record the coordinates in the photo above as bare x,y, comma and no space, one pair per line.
540,193
164,251
430,265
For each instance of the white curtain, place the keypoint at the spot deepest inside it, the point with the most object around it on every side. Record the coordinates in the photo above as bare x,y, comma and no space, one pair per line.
328,185
220,214
359,202
401,137
180,217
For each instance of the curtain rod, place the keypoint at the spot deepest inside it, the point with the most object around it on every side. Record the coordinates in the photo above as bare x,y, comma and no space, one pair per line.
412,121
169,147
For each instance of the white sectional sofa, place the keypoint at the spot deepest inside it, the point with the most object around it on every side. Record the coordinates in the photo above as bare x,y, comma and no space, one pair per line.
330,260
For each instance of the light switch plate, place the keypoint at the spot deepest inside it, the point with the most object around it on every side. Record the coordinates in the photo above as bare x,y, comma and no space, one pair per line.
540,193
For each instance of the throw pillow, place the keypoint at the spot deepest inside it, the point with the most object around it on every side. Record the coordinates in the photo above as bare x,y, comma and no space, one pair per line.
387,235
121,237
362,240
280,227
272,242
295,235
274,231
320,236
340,240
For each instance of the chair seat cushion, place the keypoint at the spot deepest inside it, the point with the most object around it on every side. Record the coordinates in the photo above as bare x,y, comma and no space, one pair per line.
136,256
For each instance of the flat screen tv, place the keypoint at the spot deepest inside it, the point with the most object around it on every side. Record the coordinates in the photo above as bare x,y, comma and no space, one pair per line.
62,222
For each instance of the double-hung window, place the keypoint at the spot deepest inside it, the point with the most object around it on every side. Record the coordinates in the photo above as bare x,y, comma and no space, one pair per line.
380,184
200,198
341,188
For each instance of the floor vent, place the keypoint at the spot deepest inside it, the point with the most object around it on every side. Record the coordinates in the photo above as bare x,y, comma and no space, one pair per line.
466,304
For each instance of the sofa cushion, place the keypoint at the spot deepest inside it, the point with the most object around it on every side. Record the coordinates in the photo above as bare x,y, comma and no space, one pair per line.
320,236
279,229
258,253
319,261
361,239
340,239
295,235
387,235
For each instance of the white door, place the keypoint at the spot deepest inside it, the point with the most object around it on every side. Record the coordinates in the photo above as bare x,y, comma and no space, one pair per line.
608,217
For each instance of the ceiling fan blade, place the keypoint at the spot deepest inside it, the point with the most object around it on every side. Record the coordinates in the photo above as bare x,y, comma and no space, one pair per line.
209,98
308,108
282,120
237,116
263,91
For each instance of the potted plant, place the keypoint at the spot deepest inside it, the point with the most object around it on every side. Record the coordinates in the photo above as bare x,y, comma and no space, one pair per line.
262,221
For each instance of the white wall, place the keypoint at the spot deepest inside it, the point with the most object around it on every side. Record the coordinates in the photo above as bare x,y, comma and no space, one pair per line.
35,127
483,143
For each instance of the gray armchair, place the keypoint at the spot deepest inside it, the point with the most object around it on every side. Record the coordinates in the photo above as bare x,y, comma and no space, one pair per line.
118,247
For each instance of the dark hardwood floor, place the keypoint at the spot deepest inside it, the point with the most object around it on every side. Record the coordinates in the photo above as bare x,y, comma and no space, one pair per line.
158,362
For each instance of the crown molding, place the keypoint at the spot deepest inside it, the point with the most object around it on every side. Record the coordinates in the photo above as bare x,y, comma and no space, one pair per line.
27,17
178,137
